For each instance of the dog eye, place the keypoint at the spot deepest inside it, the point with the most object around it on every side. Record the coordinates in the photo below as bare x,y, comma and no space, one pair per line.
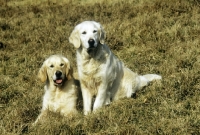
94,31
61,64
51,66
83,32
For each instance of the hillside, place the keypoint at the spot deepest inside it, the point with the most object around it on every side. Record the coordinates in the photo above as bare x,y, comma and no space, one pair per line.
157,36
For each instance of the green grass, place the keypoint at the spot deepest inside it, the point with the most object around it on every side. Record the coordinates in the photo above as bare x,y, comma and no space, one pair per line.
158,36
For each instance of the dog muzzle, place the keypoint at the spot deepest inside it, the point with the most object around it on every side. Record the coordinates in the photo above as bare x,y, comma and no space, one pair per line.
58,79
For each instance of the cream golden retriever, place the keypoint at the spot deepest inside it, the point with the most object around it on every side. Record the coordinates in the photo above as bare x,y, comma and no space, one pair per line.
101,73
61,90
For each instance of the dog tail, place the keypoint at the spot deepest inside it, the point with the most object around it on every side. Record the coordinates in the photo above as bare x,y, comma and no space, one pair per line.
144,80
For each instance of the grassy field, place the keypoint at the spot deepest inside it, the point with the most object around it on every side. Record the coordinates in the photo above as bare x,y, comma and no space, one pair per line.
157,36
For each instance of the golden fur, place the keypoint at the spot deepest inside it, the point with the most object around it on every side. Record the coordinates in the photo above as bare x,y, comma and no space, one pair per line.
61,89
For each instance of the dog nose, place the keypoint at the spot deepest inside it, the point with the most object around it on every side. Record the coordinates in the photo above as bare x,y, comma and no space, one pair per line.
58,73
91,42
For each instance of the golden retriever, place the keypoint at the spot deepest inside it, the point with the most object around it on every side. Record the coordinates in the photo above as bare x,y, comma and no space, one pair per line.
61,90
101,73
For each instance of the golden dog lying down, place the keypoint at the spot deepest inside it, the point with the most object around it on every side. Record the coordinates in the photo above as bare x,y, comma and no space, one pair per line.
101,73
62,92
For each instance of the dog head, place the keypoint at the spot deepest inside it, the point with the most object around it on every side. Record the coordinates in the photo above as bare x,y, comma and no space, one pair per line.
88,34
55,69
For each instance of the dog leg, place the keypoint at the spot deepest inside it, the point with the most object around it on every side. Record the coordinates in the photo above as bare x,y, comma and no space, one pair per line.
101,97
41,115
108,98
87,101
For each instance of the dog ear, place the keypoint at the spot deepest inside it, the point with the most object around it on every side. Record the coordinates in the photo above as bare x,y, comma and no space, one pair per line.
75,38
42,74
70,73
69,70
102,34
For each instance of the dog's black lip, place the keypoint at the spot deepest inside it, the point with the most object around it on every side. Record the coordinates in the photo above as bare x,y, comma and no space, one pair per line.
89,50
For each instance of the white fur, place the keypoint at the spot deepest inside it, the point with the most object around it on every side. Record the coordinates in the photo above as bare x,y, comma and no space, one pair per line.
101,73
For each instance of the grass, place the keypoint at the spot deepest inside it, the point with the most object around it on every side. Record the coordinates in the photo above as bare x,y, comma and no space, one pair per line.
158,36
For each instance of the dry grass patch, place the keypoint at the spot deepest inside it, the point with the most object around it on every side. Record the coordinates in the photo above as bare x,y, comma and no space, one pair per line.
148,36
